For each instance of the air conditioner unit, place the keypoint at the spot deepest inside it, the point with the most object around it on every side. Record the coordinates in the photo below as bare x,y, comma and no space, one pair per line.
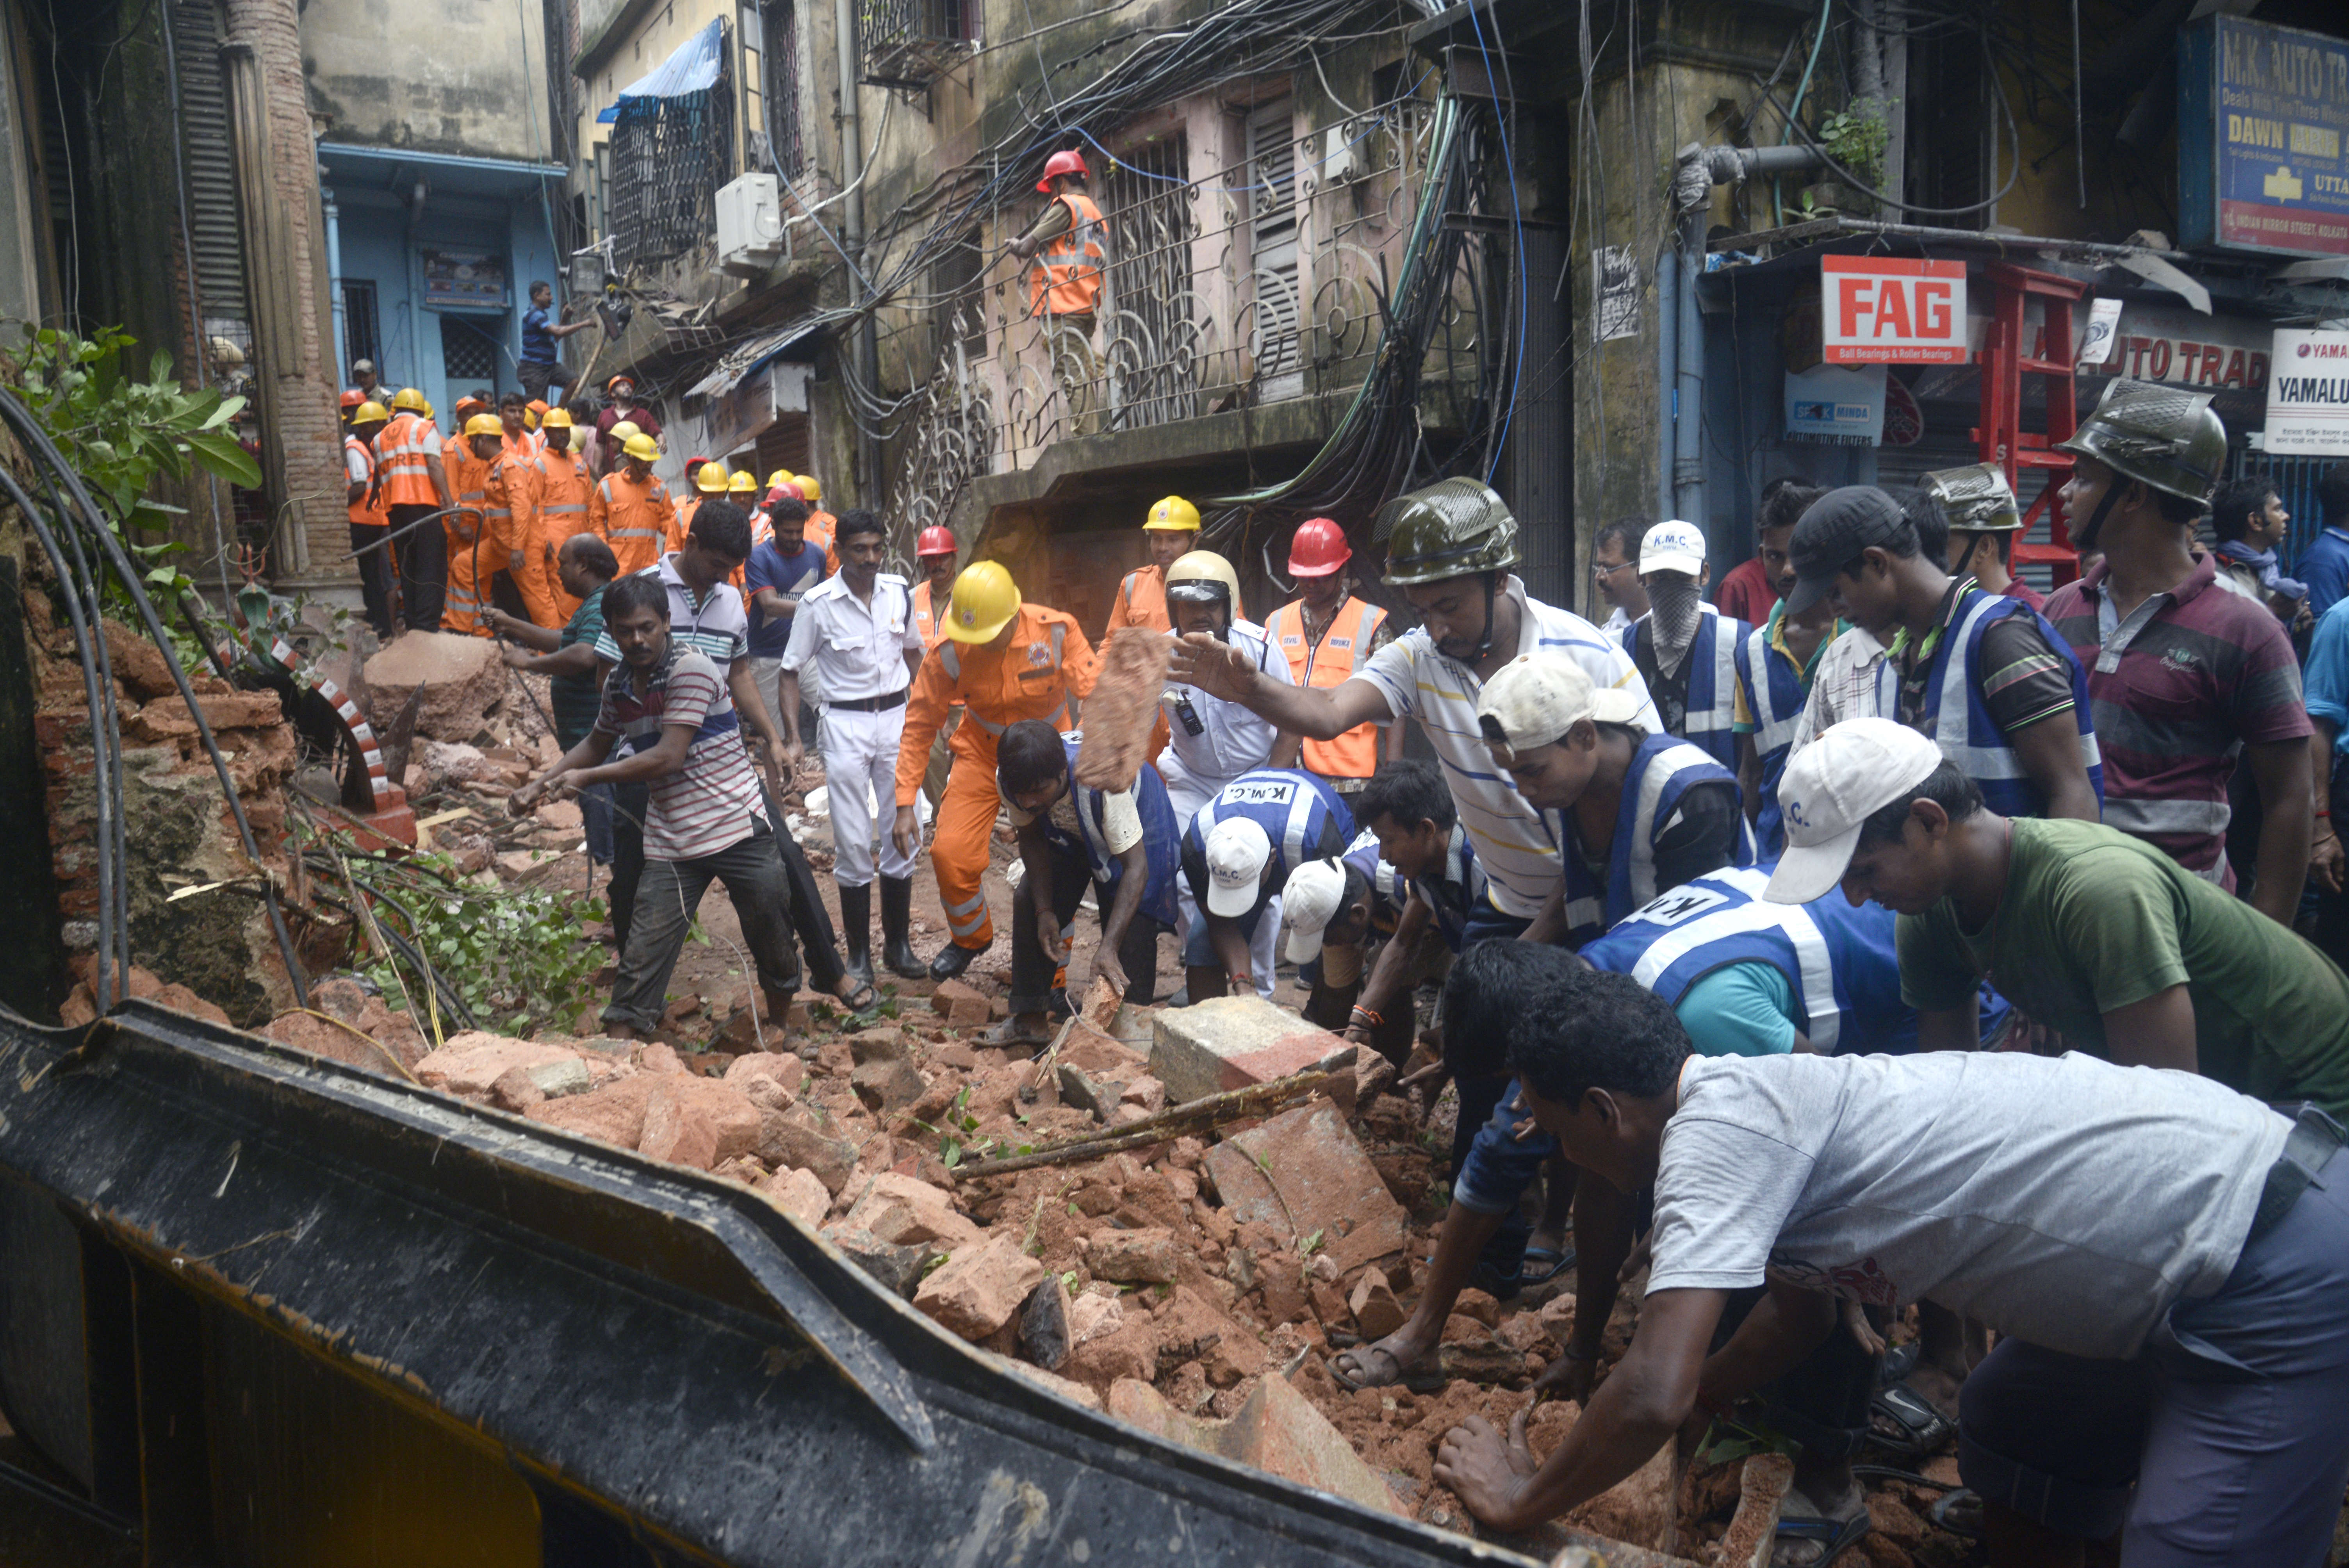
749,225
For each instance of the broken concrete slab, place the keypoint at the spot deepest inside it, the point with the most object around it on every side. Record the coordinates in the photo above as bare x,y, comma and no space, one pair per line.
1304,1174
554,1080
1275,1430
1230,1042
902,1210
462,679
471,1061
978,1288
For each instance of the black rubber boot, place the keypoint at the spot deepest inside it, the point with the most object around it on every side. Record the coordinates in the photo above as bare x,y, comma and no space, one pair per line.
897,924
952,960
856,929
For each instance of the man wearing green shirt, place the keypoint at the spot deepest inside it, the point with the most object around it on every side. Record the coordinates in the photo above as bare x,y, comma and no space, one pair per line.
2087,929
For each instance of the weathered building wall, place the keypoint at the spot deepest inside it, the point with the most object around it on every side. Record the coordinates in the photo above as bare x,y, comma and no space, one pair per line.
460,77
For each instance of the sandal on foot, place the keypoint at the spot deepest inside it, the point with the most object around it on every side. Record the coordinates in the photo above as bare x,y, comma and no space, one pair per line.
1958,1512
1543,1265
864,999
1836,1536
1898,1362
1419,1378
1923,1428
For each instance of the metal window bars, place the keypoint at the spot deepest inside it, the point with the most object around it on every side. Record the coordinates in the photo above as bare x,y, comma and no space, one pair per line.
911,42
1250,283
668,157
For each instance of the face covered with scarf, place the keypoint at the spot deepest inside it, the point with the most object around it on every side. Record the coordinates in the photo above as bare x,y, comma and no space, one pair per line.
1676,604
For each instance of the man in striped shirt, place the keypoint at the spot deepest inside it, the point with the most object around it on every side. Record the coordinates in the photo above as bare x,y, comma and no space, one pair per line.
666,704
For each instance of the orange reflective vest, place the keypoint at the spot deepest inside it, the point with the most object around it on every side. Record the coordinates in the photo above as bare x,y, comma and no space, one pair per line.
633,517
404,451
468,476
367,511
924,622
821,527
561,485
1339,657
1065,279
1142,601
1047,663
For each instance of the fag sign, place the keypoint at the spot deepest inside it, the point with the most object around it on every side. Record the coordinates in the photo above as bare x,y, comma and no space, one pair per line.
1882,310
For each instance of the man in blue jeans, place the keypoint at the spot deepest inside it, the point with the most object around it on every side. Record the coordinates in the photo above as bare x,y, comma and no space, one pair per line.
2165,1261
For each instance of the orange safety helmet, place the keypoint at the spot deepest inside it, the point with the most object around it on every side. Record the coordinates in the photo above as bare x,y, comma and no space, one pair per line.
934,542
615,380
468,402
1317,548
1069,163
534,411
353,398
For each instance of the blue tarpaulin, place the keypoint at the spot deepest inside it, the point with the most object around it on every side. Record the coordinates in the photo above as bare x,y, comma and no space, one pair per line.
691,69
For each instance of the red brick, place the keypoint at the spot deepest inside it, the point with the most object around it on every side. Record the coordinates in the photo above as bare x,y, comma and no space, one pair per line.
978,1289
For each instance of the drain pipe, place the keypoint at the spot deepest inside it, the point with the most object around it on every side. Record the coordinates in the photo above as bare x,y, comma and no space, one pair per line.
1700,170
1668,326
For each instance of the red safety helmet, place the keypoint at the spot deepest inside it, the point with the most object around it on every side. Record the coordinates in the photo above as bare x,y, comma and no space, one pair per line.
1317,548
785,492
1069,163
936,541
353,398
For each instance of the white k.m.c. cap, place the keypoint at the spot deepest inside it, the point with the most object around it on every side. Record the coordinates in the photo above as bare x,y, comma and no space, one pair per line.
1238,850
1830,788
1672,546
1536,697
1309,902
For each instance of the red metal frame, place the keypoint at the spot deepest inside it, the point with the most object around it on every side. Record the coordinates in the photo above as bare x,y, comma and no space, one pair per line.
2000,437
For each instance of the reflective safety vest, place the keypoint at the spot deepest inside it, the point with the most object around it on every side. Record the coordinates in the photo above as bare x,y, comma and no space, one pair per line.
1841,963
1338,658
1162,839
1065,278
926,620
1662,770
1960,722
508,508
634,519
1056,636
1775,694
1711,723
1301,815
404,450
563,486
468,476
1452,894
1046,663
367,511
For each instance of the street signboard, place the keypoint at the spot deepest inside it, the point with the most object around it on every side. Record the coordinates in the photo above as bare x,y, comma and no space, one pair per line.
2308,394
2263,137
1887,310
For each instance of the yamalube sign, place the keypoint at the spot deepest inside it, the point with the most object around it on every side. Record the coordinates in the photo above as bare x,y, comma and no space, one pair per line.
2308,394
1887,310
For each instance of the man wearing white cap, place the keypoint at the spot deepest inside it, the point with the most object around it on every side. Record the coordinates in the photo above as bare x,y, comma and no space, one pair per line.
1237,854
1633,814
1685,648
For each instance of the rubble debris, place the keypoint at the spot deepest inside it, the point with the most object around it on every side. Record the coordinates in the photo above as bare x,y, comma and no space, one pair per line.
1304,1174
1275,1429
964,1006
1045,1335
461,677
1231,1042
1122,710
798,1193
978,1288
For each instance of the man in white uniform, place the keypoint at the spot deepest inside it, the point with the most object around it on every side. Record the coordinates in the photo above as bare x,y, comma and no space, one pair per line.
855,632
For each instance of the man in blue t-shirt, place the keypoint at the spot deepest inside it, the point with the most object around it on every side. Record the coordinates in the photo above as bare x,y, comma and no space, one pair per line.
779,572
539,366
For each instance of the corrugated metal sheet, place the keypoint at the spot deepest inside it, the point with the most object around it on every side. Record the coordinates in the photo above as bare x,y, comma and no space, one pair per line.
209,161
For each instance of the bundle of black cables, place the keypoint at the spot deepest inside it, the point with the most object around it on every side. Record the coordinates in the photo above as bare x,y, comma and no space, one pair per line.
70,520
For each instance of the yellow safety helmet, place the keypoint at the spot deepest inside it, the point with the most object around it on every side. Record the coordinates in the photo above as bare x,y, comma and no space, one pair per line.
640,447
625,431
745,483
985,600
409,399
711,479
810,491
1203,575
779,477
1173,515
369,413
484,425
556,418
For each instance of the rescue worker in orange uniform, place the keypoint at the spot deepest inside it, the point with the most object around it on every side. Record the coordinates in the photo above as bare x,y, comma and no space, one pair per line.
481,532
821,524
415,482
560,488
1329,635
631,508
743,490
1005,660
363,494
456,448
533,418
1066,249
1172,530
935,552
709,479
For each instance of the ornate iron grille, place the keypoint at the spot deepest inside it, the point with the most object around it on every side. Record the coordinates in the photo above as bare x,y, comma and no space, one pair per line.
669,156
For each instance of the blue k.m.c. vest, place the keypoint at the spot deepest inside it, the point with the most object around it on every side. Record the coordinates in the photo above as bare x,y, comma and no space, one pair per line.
1711,724
1162,839
1775,695
1662,770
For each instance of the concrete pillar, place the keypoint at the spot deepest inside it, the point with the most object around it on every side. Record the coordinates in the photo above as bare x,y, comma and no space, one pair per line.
295,367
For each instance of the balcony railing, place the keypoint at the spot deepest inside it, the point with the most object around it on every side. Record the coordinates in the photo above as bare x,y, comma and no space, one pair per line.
911,42
1226,286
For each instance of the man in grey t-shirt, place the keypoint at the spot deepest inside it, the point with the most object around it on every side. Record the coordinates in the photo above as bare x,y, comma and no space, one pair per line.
2103,1220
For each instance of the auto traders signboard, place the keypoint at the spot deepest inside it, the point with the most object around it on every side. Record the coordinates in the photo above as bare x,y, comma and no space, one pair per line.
2263,129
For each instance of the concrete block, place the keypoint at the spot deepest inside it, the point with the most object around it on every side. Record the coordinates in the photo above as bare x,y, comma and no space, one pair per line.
1303,1173
1231,1042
